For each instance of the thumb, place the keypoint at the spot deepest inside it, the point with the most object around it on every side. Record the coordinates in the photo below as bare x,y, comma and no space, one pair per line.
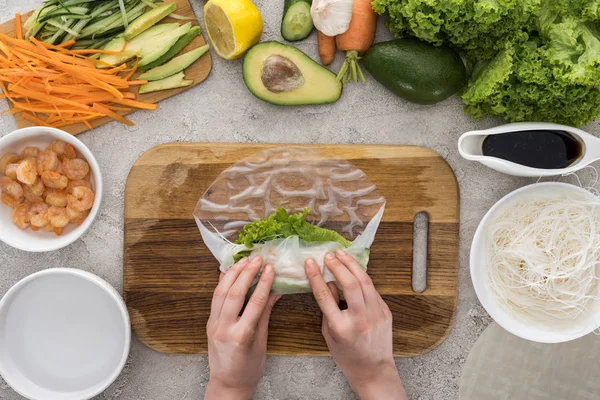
263,322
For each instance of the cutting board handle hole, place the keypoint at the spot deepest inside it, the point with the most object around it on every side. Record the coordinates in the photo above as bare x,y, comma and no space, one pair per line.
420,240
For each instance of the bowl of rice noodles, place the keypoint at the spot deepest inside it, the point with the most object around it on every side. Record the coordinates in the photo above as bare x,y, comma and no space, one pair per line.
535,262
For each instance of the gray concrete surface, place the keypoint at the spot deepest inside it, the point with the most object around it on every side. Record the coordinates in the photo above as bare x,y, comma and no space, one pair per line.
221,109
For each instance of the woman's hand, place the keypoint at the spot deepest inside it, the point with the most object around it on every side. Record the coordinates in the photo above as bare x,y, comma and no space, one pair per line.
359,338
237,345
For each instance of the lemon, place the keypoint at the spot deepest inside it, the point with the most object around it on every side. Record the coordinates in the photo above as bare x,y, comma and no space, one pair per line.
233,26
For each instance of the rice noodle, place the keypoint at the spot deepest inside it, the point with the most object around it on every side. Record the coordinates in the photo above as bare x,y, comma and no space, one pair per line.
544,256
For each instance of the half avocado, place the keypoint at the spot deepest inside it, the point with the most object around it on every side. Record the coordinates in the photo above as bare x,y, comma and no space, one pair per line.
283,75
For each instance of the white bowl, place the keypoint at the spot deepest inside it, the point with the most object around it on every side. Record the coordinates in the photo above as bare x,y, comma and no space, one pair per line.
38,241
64,335
559,331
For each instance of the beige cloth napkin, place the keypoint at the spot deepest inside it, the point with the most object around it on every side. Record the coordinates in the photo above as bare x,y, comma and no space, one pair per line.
503,366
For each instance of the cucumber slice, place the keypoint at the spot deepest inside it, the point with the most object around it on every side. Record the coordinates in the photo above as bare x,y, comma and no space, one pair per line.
296,23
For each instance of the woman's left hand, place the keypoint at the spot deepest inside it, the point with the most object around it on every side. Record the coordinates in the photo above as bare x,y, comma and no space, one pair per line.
237,345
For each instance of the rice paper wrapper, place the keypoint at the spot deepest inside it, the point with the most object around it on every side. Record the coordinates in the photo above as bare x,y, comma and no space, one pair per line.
339,195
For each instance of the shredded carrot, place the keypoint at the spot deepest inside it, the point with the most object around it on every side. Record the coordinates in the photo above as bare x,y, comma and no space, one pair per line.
135,67
18,26
51,85
34,119
112,114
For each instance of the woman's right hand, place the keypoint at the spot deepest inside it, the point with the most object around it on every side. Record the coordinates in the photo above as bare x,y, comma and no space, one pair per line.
359,338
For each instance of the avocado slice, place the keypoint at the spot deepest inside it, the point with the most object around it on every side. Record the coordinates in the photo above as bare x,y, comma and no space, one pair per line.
146,20
133,46
283,75
173,51
174,66
155,49
172,82
117,44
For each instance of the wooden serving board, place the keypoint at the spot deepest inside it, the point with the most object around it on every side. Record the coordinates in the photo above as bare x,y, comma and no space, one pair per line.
169,275
197,72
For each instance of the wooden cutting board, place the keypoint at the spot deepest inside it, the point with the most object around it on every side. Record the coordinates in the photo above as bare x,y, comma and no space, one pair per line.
197,72
169,275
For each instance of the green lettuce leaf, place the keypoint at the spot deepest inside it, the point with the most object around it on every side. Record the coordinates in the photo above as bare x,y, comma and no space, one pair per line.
280,224
477,28
519,84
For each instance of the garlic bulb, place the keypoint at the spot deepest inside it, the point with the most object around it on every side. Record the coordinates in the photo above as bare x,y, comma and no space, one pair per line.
331,17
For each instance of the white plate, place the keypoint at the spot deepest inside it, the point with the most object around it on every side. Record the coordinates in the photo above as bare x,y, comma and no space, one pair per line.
41,240
559,331
64,335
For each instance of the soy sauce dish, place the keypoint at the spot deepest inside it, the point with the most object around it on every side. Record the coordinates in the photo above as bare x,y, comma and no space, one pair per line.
64,335
531,149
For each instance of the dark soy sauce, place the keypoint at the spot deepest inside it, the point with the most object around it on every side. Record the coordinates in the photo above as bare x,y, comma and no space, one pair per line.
537,149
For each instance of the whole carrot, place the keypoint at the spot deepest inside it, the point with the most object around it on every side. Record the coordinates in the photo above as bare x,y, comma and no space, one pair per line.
326,48
357,40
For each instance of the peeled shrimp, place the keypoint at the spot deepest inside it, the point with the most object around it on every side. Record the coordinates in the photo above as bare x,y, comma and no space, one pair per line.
63,150
81,199
54,180
75,169
11,188
38,214
58,217
47,161
48,227
8,158
37,187
59,168
20,216
57,198
29,152
30,196
10,201
81,182
80,216
11,171
73,214
27,171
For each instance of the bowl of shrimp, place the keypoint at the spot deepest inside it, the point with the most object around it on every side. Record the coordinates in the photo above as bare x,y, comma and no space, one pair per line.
51,189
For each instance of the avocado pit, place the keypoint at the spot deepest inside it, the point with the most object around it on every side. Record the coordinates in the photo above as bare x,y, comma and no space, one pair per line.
279,74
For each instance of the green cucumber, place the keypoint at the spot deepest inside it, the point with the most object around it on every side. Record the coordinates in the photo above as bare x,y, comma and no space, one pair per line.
174,66
172,82
173,51
296,23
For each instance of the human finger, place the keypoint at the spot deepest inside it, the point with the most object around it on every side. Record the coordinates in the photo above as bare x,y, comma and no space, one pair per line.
366,284
321,291
263,323
385,309
350,285
334,291
225,282
258,301
234,301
